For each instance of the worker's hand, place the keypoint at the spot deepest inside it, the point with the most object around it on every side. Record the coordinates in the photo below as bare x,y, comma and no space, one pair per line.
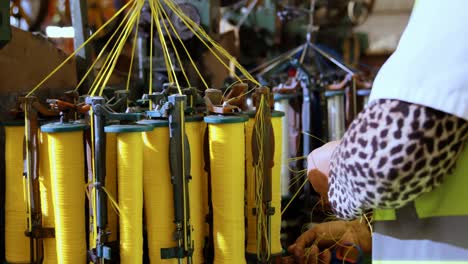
318,167
323,238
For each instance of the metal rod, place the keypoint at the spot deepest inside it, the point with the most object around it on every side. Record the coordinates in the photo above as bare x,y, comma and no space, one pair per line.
100,219
79,16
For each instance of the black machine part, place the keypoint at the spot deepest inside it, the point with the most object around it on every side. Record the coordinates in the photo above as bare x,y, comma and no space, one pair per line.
179,157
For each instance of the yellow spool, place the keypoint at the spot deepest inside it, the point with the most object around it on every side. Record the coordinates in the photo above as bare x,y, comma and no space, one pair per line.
276,189
111,184
195,132
250,190
227,160
16,243
66,156
130,192
276,248
47,205
158,194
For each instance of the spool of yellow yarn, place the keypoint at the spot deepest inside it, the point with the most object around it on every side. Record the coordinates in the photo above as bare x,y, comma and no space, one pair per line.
276,122
250,190
66,156
16,243
47,205
194,128
130,190
111,184
158,194
227,160
275,241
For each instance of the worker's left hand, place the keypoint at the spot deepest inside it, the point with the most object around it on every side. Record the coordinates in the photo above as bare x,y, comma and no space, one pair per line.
318,167
324,237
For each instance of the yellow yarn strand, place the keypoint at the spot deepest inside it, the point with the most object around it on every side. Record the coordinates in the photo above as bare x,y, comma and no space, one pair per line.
201,35
227,154
183,45
66,152
16,243
47,205
158,194
79,48
171,70
276,187
111,185
130,189
174,48
197,209
92,67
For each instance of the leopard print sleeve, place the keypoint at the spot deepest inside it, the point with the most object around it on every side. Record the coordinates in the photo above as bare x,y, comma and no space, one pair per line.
393,152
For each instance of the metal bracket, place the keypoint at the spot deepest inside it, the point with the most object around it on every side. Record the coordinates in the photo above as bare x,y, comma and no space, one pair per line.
179,157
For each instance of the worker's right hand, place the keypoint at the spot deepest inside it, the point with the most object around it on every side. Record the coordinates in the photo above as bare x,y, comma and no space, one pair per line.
323,238
318,167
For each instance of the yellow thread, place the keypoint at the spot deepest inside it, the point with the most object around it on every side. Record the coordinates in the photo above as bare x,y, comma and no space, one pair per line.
79,48
174,47
66,170
91,68
158,194
294,196
47,205
121,45
190,25
183,45
227,154
130,191
155,12
16,243
195,138
151,63
130,71
201,33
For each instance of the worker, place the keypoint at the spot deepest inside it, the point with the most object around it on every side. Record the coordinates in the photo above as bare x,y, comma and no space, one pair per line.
405,156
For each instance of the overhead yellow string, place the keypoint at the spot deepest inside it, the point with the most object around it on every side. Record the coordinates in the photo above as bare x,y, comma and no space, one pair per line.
151,63
186,20
166,57
133,53
111,55
164,44
119,49
101,53
174,47
79,48
183,45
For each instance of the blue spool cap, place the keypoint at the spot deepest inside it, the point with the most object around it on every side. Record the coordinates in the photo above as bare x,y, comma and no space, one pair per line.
154,122
279,97
127,128
231,119
63,127
334,93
